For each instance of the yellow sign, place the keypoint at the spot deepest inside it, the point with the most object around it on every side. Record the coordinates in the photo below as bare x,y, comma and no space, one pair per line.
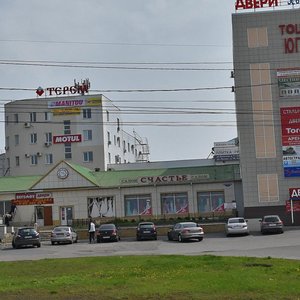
95,101
66,111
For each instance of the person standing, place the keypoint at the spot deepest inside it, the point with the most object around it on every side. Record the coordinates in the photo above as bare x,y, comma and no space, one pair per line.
92,229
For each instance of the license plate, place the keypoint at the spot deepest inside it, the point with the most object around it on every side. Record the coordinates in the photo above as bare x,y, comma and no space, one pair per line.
28,237
146,231
106,237
272,225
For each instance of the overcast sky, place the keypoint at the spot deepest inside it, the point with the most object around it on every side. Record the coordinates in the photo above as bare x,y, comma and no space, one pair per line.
151,44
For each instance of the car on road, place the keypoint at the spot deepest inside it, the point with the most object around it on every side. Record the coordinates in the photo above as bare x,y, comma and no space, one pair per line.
63,234
186,231
107,232
271,224
146,230
235,226
26,236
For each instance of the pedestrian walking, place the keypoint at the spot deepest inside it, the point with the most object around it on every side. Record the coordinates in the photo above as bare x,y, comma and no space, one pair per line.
92,229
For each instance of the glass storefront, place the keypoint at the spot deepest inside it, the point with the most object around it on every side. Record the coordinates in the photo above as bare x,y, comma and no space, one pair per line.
174,203
210,201
138,205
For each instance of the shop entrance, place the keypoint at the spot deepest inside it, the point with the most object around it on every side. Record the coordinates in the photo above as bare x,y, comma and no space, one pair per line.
43,215
66,215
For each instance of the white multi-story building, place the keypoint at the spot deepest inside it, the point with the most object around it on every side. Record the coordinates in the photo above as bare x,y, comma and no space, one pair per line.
85,129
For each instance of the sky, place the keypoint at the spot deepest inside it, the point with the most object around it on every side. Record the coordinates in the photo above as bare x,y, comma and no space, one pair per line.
165,63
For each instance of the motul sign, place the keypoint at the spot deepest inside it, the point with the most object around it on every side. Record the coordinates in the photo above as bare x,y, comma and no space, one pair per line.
65,139
252,4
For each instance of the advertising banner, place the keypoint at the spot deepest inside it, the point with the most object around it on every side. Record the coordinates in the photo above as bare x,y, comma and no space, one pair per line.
288,82
290,130
296,206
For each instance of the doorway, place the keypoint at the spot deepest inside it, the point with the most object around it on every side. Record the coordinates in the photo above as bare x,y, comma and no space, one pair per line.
66,215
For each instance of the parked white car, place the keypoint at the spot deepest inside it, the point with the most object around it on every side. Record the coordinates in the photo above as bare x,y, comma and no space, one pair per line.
235,226
63,234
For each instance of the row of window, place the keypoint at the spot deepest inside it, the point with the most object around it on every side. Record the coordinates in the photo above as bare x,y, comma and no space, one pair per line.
171,203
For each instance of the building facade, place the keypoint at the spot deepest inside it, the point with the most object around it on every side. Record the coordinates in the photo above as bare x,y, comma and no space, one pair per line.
84,129
266,58
70,192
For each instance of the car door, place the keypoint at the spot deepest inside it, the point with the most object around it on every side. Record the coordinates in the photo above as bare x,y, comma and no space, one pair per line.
177,229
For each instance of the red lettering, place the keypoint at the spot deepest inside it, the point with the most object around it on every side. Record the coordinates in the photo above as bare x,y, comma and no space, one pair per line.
288,45
282,27
248,4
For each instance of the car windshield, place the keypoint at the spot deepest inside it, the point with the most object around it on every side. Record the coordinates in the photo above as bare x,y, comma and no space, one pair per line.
271,219
189,225
27,231
237,220
107,226
149,225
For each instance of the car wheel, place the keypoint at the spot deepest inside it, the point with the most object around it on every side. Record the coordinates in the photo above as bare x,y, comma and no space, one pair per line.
138,238
52,243
76,241
98,240
180,238
200,239
155,238
14,245
169,237
39,245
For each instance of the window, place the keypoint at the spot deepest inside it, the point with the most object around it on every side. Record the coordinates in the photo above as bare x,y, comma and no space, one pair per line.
7,143
67,127
118,142
48,158
117,159
100,207
32,117
109,158
268,187
210,201
115,140
128,147
118,124
107,116
174,203
17,139
47,116
138,205
88,156
257,37
33,138
132,149
48,137
263,120
87,113
17,161
87,135
108,137
34,159
6,120
16,118
68,151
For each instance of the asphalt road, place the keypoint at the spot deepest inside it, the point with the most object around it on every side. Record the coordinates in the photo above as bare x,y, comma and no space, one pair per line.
286,245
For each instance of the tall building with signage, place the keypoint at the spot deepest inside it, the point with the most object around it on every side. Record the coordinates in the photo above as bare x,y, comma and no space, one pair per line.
84,129
266,54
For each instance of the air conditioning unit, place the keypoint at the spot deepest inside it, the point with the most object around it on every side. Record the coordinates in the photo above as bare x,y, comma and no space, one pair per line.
124,150
39,154
27,125
47,144
6,147
27,155
109,142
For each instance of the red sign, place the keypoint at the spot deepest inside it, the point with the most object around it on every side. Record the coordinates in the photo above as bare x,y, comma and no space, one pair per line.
32,201
70,138
291,40
296,206
290,125
294,193
252,4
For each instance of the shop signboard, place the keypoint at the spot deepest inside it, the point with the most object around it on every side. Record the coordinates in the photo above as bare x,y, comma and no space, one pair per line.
259,4
68,138
226,151
290,130
295,204
32,199
288,82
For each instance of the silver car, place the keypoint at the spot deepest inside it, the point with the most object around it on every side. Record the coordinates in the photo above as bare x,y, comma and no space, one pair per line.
63,234
186,231
271,224
236,226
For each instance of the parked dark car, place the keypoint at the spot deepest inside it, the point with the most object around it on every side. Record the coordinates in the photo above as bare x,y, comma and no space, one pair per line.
271,224
63,234
146,230
26,236
107,232
186,231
